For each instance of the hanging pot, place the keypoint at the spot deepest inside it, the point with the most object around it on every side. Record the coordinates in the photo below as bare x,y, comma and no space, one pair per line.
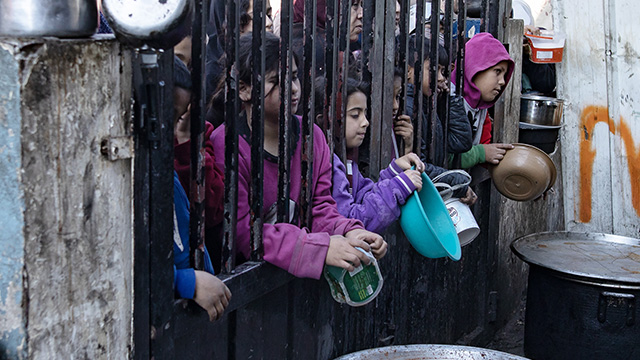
540,110
60,18
157,24
582,295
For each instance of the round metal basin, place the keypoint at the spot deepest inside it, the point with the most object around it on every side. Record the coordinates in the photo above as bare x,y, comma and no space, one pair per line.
424,352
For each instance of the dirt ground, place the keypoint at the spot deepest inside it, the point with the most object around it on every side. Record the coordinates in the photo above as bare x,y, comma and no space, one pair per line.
510,338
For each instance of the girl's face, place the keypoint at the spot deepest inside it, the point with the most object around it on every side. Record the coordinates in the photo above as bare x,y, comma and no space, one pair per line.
442,80
356,122
491,81
397,87
272,94
268,20
356,19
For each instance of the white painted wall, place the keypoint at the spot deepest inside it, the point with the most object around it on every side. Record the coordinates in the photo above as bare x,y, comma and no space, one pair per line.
598,74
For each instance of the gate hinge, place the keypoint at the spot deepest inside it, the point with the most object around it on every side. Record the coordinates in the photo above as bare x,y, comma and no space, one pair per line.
117,147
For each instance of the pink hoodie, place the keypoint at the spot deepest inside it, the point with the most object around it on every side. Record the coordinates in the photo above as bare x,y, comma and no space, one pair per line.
482,52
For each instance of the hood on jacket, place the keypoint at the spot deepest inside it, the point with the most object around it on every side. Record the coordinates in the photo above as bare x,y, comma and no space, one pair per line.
482,52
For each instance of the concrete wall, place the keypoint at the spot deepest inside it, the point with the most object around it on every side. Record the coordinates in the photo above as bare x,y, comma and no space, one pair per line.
66,239
601,129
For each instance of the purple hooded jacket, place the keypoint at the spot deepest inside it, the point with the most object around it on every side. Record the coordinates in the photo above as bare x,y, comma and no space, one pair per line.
482,52
288,246
376,204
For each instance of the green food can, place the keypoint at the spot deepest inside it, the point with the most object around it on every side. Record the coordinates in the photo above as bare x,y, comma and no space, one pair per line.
357,287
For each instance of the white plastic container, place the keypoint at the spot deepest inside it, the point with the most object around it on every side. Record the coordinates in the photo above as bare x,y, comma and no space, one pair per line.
463,220
357,287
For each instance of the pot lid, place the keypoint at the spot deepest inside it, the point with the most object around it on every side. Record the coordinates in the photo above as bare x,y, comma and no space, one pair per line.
591,256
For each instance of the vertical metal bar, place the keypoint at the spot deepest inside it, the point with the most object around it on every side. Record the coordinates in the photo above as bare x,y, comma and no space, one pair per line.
385,150
257,128
331,65
232,109
343,60
306,159
377,65
462,39
403,44
484,15
156,73
286,67
448,46
417,71
197,186
432,113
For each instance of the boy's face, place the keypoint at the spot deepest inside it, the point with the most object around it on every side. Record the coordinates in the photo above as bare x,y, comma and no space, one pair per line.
491,81
426,88
356,122
181,102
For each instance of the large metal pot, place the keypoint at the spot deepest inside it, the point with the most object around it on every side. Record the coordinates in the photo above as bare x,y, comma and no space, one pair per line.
61,18
541,110
581,296
429,352
159,24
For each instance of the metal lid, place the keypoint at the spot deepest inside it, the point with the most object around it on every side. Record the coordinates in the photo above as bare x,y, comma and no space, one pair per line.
590,256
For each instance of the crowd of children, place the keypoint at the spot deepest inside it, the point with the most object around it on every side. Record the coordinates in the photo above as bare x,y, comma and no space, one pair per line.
348,210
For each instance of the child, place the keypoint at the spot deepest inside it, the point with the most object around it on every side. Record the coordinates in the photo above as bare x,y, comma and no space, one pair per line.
201,286
487,71
458,131
334,238
377,205
214,183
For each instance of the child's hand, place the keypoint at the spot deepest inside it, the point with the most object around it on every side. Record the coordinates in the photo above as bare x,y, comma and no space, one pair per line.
377,243
411,159
470,198
211,294
415,178
343,253
404,128
493,153
182,129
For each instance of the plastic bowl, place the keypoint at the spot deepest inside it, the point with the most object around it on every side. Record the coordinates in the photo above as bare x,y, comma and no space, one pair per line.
427,225
524,173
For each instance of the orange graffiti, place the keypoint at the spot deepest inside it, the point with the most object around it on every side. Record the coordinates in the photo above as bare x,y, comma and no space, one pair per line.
592,115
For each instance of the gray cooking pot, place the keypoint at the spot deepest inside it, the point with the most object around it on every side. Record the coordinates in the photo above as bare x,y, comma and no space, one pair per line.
439,352
541,110
159,24
60,18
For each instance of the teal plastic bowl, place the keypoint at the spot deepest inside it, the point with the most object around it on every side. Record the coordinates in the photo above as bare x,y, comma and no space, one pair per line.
426,223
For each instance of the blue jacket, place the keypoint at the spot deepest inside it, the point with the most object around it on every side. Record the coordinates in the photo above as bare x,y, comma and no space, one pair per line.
184,277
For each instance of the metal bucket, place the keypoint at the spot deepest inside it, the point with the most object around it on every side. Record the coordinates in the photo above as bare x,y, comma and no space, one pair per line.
61,18
427,352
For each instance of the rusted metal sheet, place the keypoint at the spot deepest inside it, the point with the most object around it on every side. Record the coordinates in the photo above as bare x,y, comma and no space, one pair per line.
74,241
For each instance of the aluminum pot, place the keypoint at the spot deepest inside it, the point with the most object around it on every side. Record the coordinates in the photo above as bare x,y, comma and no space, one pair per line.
581,296
540,110
428,352
159,24
60,18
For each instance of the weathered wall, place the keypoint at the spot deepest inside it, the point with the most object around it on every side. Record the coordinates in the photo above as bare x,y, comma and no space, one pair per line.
72,227
597,79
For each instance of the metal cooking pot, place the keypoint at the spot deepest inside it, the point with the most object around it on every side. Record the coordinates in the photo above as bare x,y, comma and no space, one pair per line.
60,18
581,296
439,352
159,24
541,110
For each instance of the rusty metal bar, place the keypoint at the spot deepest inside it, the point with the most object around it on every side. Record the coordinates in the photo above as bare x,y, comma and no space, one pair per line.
462,33
286,67
484,15
232,109
306,159
432,113
417,71
377,98
385,150
448,46
331,64
403,44
197,178
257,128
343,60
